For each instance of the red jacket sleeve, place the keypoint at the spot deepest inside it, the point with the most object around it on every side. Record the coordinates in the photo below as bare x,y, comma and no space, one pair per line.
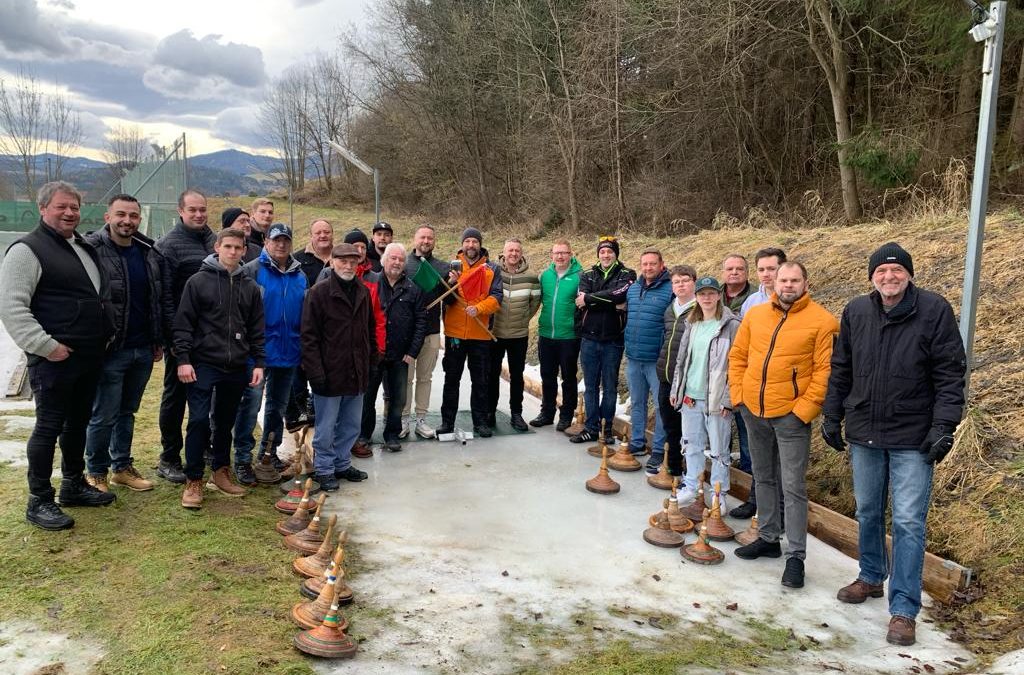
378,315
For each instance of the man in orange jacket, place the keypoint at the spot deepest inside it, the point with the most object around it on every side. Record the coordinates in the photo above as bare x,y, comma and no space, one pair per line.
778,373
467,321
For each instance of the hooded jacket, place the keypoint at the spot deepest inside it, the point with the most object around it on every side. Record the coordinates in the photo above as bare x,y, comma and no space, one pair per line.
220,319
780,359
338,338
558,315
458,324
717,382
645,307
604,290
520,292
282,293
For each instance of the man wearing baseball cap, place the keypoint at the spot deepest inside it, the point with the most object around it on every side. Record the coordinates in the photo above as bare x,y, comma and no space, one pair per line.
898,380
382,235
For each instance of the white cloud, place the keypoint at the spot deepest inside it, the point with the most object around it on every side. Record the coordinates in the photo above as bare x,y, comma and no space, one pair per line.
237,63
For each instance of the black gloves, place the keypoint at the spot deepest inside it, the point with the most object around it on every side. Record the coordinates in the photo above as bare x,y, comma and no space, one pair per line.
832,433
938,442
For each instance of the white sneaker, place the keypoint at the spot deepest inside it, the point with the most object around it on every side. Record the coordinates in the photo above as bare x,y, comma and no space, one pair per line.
406,423
723,503
424,430
686,496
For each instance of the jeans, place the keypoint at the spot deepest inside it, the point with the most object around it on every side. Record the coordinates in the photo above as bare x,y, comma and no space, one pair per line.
108,440
906,476
784,463
515,348
277,383
672,422
423,372
172,411
393,375
558,356
706,436
600,361
63,393
457,353
642,378
335,432
221,390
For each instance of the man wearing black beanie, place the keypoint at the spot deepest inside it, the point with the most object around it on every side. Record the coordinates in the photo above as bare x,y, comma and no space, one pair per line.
898,380
240,219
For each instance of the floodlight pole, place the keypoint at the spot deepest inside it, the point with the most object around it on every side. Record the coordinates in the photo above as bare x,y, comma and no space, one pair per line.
991,32
365,168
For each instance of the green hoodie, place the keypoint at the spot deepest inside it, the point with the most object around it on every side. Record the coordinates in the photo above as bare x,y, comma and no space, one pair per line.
557,319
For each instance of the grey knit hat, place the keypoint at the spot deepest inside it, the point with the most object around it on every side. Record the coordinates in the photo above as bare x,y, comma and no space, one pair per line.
472,232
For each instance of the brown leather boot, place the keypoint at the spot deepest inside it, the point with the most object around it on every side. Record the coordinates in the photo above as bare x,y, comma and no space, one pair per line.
131,479
859,591
362,449
192,496
902,631
98,481
221,481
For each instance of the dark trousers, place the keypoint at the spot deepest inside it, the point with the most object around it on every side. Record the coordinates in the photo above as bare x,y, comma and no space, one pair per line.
172,412
299,401
63,392
558,356
672,422
516,350
457,353
392,375
221,390
600,362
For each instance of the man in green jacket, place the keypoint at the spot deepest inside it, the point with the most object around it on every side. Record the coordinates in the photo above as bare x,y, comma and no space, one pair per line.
558,345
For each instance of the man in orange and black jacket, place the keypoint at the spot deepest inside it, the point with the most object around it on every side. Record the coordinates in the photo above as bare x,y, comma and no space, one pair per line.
467,320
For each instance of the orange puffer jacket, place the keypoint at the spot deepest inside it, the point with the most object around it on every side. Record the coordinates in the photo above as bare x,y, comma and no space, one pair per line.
457,324
780,360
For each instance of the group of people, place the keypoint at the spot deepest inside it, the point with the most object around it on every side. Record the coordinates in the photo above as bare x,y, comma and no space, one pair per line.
241,320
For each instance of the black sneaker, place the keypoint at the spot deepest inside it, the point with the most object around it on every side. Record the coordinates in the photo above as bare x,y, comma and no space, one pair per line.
483,431
518,423
44,513
563,425
445,428
394,445
654,465
542,421
638,452
351,474
328,482
744,511
611,441
584,436
759,548
279,466
793,577
244,474
171,471
76,492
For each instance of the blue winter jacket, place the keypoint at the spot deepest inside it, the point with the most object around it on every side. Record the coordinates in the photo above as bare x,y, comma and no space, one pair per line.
283,293
645,311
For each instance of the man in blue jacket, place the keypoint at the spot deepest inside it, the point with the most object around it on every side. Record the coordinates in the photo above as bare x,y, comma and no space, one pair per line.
283,287
646,302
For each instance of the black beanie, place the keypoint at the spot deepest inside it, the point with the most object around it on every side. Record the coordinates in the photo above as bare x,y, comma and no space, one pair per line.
609,242
890,253
356,236
474,233
229,216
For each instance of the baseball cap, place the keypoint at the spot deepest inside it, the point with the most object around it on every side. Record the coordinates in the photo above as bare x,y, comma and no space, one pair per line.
383,226
279,230
707,282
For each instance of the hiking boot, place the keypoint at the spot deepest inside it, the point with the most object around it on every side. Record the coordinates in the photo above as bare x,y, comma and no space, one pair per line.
424,430
351,474
859,591
902,631
328,482
244,474
220,480
542,420
483,431
584,436
563,424
406,428
131,479
393,445
744,511
793,576
98,481
44,513
171,472
760,548
76,492
362,448
192,495
518,423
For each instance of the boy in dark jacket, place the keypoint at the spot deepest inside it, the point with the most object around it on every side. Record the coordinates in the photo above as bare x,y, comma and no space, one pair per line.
218,328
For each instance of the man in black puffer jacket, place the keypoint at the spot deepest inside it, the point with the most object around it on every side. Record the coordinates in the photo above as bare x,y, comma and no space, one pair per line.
184,248
898,378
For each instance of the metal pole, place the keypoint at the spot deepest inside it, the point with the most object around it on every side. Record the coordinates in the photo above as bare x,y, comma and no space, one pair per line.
376,194
991,31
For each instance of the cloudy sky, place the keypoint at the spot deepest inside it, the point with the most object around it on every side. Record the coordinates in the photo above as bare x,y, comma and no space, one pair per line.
197,66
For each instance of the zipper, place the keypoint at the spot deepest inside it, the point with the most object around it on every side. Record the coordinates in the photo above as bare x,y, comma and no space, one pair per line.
231,304
554,303
668,354
767,357
796,390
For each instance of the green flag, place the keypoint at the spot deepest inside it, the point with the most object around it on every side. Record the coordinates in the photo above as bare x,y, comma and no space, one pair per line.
426,277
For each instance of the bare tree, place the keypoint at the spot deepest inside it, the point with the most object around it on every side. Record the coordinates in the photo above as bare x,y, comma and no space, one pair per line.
125,148
281,116
63,131
22,124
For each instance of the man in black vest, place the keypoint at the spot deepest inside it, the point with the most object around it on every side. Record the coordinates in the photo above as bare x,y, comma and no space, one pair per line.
54,306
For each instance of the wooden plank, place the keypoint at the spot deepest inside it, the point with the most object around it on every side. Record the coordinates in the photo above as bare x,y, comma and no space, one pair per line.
16,386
